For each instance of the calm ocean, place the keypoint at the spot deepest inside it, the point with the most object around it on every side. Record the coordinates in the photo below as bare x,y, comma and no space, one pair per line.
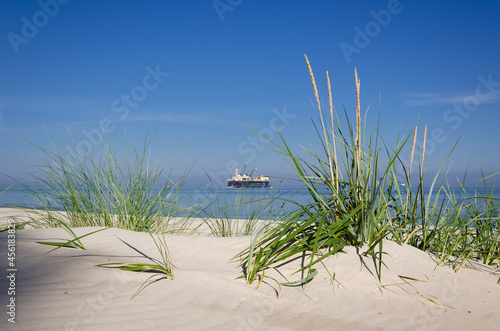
230,203
267,203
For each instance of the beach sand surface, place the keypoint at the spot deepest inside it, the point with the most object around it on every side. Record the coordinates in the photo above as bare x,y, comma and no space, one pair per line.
64,290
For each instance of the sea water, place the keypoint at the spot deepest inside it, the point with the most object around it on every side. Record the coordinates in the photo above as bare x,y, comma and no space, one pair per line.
262,203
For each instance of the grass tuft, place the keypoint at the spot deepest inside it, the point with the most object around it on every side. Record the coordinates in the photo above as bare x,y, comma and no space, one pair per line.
106,190
358,199
163,268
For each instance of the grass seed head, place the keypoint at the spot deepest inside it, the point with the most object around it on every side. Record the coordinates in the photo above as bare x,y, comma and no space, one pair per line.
313,82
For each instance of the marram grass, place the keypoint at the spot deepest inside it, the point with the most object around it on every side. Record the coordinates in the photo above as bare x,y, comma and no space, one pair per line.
357,199
163,268
73,243
106,190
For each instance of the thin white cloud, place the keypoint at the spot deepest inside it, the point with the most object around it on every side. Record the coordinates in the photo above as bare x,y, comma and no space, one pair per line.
419,95
426,99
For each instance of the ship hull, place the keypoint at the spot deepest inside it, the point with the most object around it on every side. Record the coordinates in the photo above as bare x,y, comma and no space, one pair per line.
247,183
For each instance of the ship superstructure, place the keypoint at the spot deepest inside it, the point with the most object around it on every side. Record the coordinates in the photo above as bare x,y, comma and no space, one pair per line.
244,180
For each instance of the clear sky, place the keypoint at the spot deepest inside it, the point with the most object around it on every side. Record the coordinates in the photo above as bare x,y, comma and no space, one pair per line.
204,69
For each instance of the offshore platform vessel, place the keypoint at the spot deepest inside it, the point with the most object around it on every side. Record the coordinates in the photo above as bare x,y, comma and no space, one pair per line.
244,180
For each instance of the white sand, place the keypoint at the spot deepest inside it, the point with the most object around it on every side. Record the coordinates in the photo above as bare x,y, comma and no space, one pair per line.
63,290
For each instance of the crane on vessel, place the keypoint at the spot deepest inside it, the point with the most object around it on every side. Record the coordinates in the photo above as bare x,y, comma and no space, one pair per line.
244,172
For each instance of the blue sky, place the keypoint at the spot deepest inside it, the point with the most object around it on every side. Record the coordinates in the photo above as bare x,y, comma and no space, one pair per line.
203,70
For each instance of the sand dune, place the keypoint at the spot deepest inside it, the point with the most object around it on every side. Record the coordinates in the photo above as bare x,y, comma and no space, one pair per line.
63,290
